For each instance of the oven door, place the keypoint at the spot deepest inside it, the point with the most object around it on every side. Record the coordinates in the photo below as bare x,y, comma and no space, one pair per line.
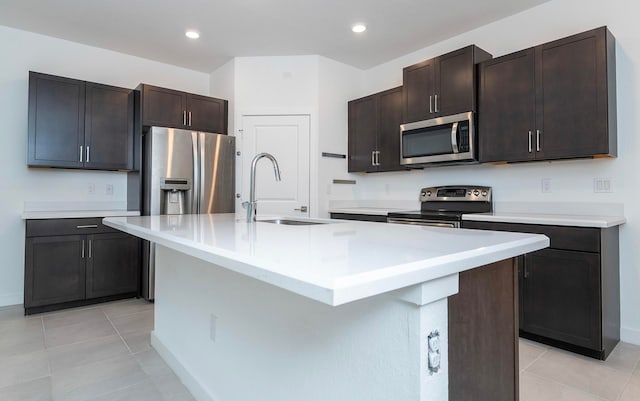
444,139
424,222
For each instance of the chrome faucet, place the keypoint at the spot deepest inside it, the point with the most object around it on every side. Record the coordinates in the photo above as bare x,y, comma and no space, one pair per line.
251,204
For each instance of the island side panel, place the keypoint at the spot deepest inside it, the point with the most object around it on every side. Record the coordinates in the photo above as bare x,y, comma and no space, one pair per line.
233,338
483,334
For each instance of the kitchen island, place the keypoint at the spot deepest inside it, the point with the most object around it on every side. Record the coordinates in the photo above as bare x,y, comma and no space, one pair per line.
334,311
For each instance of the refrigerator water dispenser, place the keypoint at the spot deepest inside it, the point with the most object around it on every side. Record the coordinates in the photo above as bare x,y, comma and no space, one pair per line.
173,195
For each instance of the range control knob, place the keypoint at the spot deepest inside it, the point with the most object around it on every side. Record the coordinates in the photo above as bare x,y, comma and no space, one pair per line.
428,193
476,192
484,193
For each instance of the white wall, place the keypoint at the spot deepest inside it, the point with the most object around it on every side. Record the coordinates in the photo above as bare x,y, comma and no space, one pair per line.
23,51
572,181
313,85
338,83
276,85
223,85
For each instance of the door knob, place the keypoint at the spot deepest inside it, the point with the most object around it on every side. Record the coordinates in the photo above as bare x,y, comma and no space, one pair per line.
302,209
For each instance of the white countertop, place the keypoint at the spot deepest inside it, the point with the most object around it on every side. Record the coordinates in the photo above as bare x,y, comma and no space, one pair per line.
71,214
375,211
333,263
548,219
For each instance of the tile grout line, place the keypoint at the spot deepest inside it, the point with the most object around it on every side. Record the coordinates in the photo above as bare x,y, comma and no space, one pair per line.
545,350
117,331
44,344
626,385
568,386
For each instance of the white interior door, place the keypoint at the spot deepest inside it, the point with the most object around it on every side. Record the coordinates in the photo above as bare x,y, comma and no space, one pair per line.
286,137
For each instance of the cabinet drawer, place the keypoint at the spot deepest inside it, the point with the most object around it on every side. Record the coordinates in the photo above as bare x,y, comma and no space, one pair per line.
583,239
47,227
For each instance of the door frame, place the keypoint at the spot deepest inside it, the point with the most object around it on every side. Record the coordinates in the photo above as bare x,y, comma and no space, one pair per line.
314,159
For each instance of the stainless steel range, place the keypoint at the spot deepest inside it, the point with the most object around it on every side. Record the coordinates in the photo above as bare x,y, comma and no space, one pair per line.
444,206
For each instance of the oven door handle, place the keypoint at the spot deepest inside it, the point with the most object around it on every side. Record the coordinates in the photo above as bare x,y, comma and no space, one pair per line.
429,223
454,138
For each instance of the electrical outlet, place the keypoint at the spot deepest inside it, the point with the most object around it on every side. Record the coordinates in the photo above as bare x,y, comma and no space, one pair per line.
602,185
546,185
109,189
213,327
433,352
91,188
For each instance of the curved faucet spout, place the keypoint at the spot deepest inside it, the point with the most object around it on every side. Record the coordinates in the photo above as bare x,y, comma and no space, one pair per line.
251,205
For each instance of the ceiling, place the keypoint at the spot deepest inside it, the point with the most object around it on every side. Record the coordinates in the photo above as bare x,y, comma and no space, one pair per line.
154,29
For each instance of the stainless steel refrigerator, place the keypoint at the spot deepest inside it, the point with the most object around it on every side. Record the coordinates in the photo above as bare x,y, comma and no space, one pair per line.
184,172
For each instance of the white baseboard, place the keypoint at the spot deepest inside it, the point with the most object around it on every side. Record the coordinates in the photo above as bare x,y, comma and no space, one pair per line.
629,335
193,385
15,298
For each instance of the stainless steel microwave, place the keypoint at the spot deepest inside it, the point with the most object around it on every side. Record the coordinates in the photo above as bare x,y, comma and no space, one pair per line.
443,140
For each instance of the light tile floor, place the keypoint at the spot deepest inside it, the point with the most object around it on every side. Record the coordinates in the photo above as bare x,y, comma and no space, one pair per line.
102,353
97,353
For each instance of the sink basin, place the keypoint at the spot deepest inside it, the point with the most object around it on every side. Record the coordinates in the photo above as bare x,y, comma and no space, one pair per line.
290,222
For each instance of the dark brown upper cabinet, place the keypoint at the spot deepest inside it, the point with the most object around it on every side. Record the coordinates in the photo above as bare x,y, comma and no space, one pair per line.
78,124
441,86
163,107
374,132
553,101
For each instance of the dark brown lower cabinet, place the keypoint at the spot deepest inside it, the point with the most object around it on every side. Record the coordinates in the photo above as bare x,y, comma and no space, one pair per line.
561,296
483,334
112,267
55,270
569,292
73,262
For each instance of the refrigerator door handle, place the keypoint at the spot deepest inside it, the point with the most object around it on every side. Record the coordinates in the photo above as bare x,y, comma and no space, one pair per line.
201,174
195,192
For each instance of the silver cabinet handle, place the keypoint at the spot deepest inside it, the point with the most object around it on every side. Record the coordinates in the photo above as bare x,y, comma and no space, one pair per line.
302,209
80,153
373,157
184,117
377,157
82,249
430,104
87,154
530,146
90,242
436,103
189,119
537,140
88,226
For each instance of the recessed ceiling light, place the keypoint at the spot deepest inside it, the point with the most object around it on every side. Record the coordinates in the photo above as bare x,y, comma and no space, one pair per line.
192,34
359,28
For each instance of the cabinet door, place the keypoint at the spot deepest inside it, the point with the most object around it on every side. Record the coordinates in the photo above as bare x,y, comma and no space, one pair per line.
419,91
455,83
163,107
571,96
362,133
506,118
54,270
56,121
112,264
207,114
561,296
108,127
389,120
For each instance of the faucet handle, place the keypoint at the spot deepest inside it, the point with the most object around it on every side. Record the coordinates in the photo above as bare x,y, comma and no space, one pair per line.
245,204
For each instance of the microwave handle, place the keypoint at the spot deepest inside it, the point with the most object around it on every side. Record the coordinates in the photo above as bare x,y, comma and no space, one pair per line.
454,138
